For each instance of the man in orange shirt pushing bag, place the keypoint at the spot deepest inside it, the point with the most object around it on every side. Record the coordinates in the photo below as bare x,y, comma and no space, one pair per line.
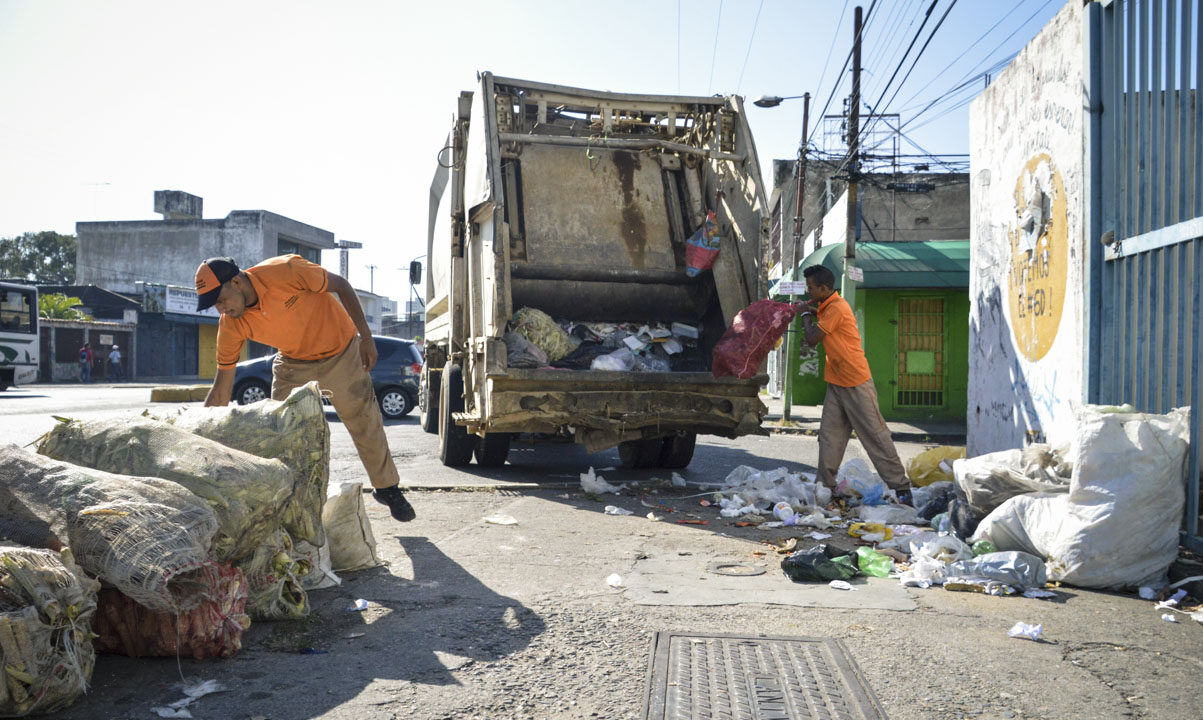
288,303
851,401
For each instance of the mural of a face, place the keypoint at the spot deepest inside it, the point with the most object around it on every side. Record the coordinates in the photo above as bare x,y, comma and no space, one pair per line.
1038,266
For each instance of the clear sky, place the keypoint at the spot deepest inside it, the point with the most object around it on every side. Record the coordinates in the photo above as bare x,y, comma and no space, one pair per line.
332,113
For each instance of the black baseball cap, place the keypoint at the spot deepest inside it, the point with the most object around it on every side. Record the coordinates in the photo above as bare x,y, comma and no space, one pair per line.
210,276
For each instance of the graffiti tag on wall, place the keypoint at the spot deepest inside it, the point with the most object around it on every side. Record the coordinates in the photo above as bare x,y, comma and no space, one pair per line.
1038,264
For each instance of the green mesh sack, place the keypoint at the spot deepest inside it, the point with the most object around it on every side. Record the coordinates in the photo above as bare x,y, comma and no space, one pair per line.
538,327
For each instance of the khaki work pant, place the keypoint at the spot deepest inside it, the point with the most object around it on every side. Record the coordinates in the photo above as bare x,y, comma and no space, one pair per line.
351,394
855,408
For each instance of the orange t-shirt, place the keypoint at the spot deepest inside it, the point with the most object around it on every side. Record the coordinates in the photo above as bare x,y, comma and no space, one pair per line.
846,364
295,314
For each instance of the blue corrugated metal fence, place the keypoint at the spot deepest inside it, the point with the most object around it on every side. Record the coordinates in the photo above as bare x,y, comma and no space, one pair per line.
1144,214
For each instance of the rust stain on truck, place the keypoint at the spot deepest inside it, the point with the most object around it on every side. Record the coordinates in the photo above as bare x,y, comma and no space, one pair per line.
634,230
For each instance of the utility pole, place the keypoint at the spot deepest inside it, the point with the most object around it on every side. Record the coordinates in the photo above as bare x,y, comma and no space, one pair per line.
371,278
848,289
800,178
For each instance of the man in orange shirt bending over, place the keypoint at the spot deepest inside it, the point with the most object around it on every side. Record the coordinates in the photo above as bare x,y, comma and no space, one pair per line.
286,302
851,401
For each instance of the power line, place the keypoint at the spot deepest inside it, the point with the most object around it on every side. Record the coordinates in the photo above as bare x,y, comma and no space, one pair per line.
718,22
918,55
926,17
864,27
889,47
835,35
678,47
1007,12
740,83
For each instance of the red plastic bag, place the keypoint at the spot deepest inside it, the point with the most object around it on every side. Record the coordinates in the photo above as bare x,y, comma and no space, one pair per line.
702,247
754,332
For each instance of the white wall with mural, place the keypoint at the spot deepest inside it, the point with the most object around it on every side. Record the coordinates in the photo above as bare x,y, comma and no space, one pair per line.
1026,337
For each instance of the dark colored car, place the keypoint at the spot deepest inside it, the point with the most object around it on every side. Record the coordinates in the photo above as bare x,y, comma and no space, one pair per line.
395,377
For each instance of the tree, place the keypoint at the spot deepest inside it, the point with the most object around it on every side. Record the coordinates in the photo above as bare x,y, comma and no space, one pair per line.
43,258
60,307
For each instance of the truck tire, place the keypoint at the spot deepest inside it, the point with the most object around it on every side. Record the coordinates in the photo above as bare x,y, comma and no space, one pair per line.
492,449
429,412
455,444
642,453
677,450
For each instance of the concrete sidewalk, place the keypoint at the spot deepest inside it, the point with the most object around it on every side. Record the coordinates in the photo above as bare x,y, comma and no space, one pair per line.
804,420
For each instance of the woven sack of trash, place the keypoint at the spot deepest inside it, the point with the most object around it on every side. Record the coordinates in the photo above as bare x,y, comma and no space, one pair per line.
538,327
46,609
148,537
212,629
247,493
293,431
274,576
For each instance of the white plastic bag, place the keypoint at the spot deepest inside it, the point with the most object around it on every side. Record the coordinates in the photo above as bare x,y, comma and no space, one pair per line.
857,479
1118,524
889,514
987,481
348,532
621,359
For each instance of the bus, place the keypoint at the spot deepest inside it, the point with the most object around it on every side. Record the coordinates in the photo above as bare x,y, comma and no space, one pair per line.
19,344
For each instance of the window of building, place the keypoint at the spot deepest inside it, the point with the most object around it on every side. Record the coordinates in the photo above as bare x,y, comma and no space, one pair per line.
287,246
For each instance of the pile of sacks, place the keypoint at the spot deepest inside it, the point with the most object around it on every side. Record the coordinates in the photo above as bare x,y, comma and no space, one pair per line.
1100,511
194,523
535,340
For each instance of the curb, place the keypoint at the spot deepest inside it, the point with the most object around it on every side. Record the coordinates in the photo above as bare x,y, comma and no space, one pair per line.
935,438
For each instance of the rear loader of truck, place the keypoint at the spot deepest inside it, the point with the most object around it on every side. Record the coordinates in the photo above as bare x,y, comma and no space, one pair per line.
579,204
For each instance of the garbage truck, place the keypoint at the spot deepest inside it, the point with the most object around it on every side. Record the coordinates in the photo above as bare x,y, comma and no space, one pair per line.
577,209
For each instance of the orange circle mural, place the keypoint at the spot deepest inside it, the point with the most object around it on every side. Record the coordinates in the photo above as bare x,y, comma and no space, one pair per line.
1038,266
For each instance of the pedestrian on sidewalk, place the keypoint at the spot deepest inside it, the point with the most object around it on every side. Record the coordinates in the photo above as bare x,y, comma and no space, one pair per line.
85,363
851,400
115,363
289,303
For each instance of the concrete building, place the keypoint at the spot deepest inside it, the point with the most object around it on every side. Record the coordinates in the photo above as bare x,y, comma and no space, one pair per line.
894,207
156,260
117,255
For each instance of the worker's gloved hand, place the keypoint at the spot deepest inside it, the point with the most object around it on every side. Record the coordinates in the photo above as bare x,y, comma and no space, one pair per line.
367,353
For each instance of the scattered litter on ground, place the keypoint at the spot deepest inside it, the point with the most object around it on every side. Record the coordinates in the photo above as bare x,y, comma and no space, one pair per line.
192,693
1038,593
815,535
820,563
615,510
501,520
653,516
358,606
840,585
678,481
1024,630
614,580
1168,617
594,484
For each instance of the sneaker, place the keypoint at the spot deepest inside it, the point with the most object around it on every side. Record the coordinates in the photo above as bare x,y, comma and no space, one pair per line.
398,506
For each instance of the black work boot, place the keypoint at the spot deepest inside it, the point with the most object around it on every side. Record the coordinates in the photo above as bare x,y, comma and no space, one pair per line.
905,496
400,508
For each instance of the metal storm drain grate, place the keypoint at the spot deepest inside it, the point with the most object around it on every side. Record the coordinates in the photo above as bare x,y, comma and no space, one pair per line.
696,677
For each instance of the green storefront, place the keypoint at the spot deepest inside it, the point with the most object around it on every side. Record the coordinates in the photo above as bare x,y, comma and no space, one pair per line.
913,312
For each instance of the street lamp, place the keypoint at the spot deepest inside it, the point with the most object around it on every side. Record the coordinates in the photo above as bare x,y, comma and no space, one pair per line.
768,101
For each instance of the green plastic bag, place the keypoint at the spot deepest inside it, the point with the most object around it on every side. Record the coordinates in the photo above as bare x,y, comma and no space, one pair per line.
874,563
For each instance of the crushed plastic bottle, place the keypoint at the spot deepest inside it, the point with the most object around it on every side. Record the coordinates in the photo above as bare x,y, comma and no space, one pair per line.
983,547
